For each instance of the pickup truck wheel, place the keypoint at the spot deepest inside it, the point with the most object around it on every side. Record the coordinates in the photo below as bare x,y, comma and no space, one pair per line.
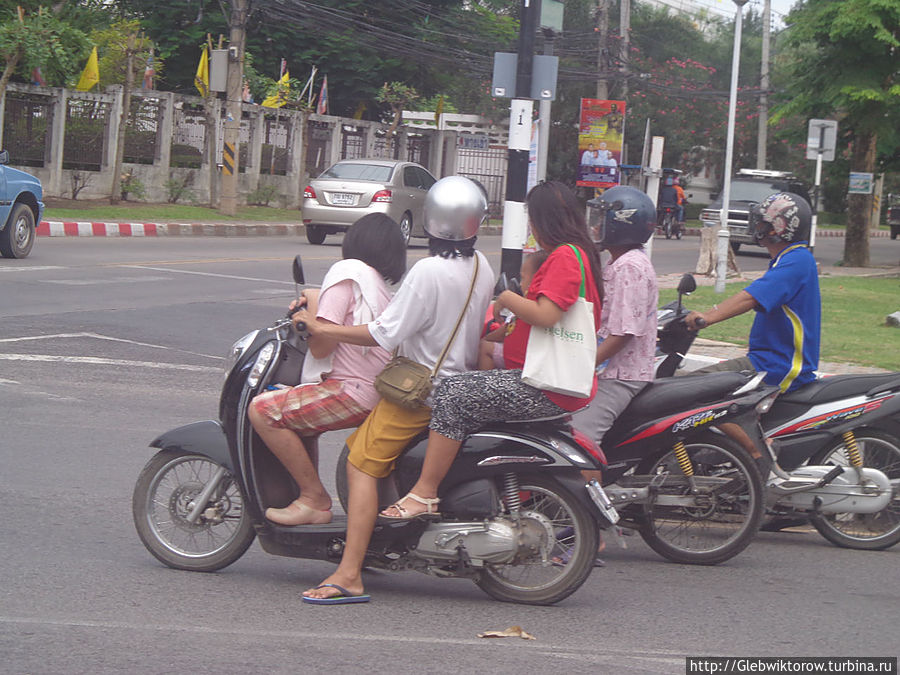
17,237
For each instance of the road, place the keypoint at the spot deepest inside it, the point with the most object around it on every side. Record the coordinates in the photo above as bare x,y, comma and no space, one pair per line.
104,343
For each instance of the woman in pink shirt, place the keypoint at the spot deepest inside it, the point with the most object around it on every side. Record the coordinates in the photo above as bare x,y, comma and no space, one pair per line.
336,389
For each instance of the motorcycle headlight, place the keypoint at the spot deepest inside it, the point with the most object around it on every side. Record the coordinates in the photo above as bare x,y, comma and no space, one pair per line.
262,360
237,349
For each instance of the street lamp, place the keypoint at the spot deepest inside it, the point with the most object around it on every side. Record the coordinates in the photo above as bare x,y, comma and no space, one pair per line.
723,235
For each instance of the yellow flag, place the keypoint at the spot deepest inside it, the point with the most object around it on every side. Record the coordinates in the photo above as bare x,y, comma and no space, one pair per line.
91,73
279,99
438,111
201,79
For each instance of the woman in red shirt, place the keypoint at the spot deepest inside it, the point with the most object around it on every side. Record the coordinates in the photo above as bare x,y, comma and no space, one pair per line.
465,402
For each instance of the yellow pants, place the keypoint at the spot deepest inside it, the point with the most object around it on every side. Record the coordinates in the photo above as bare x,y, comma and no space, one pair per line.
383,435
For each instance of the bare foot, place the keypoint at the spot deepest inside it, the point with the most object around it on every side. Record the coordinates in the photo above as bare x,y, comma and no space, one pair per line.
354,586
298,513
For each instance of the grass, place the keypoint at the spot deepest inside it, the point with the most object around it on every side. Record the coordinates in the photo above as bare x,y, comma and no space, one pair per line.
167,213
853,319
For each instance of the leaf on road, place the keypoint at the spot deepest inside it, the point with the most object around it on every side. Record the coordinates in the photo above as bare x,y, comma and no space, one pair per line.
512,631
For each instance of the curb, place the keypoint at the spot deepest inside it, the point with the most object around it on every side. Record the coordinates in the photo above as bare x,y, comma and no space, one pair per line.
55,228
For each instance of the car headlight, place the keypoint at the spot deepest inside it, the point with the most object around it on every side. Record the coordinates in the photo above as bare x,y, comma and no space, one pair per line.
262,360
237,349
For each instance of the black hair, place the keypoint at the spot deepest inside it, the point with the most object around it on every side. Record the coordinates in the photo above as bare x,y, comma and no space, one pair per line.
376,239
452,249
557,218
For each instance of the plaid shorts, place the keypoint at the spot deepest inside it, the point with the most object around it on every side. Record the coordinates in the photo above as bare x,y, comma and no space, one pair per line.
311,409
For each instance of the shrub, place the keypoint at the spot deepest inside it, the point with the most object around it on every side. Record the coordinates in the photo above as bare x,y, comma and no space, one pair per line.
179,188
131,186
262,195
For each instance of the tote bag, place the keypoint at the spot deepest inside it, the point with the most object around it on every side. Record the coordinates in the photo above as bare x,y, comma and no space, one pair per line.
561,358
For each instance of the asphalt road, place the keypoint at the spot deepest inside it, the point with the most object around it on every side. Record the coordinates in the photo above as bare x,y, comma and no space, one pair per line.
104,343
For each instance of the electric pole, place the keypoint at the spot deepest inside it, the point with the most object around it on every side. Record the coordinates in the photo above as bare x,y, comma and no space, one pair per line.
763,134
521,110
233,100
602,48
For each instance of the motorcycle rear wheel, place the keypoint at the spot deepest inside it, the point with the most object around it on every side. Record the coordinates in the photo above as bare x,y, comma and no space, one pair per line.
161,502
570,555
668,226
723,522
867,531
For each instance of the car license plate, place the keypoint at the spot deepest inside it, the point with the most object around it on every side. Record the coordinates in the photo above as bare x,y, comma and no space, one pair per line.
343,199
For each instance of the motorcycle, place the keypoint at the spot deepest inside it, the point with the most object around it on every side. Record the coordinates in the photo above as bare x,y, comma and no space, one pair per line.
517,516
667,222
836,444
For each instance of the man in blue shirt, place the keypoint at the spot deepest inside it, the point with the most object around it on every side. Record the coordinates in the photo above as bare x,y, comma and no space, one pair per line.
784,338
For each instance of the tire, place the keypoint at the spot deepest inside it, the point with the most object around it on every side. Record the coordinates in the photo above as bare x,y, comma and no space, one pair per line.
406,225
868,531
723,523
159,505
570,555
735,246
315,234
668,226
17,238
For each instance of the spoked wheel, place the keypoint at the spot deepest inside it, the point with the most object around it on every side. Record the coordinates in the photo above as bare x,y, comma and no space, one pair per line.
557,548
872,531
668,226
164,498
726,503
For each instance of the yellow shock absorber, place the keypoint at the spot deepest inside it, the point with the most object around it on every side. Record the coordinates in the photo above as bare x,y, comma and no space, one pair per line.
683,460
852,449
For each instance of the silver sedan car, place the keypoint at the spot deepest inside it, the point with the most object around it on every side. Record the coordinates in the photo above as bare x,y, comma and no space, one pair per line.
353,188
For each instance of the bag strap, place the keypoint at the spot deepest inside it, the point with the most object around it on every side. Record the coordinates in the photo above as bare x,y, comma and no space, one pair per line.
440,360
581,291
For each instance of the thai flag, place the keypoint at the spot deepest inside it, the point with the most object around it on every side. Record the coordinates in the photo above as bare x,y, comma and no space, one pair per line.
149,72
322,105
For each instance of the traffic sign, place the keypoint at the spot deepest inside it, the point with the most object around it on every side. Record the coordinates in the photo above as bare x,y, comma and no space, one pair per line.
821,139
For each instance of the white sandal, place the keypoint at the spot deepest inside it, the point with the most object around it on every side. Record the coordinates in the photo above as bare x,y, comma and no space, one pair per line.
429,512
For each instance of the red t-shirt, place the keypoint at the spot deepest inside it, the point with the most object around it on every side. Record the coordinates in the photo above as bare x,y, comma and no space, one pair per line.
559,279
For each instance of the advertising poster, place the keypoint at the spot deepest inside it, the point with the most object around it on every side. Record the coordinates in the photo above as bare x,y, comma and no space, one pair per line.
601,129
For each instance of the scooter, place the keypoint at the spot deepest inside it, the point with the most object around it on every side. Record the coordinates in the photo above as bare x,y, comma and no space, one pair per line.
837,447
517,516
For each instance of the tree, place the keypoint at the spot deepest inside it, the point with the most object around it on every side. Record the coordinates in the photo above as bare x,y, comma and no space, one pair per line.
845,67
39,39
399,97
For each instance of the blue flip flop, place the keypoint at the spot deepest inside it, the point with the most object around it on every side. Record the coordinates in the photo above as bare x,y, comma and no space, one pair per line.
345,597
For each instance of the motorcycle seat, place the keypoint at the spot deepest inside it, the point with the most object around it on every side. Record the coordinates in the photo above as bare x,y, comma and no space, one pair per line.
841,386
678,393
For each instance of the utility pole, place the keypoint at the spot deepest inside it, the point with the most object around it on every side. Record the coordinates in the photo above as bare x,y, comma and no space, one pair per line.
602,48
233,101
544,115
521,109
763,134
624,58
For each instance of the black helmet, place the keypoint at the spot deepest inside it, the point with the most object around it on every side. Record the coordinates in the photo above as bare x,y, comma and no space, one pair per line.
785,213
622,216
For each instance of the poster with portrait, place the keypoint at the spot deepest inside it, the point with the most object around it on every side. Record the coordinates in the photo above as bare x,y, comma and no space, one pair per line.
600,134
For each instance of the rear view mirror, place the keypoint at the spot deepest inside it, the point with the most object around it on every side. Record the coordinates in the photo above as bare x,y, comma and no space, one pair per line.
687,284
298,271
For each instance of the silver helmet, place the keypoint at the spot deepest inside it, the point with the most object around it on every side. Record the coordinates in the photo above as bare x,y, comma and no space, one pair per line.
454,209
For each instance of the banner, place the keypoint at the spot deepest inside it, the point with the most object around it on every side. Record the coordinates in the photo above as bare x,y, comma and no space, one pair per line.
601,129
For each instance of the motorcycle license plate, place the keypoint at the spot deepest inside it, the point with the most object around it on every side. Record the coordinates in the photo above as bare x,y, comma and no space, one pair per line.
343,199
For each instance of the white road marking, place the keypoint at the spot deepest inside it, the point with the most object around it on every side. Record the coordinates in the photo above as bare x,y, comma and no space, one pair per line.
593,653
36,268
99,361
107,337
100,282
210,274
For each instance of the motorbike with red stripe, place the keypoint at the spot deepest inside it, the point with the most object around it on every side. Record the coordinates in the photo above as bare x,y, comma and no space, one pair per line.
837,443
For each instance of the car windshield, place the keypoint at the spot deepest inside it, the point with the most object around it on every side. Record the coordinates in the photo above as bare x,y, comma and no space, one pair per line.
373,172
753,191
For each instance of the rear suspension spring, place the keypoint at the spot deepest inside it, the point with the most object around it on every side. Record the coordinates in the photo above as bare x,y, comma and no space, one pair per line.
852,449
684,461
511,492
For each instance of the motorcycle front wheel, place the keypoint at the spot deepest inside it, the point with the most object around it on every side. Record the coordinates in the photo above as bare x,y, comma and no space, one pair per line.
726,502
869,531
556,568
163,500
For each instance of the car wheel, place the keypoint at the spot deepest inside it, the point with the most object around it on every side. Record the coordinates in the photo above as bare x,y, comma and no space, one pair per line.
18,237
315,235
406,227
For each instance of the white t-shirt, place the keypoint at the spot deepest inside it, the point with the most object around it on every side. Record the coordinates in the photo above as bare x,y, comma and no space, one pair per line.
423,312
